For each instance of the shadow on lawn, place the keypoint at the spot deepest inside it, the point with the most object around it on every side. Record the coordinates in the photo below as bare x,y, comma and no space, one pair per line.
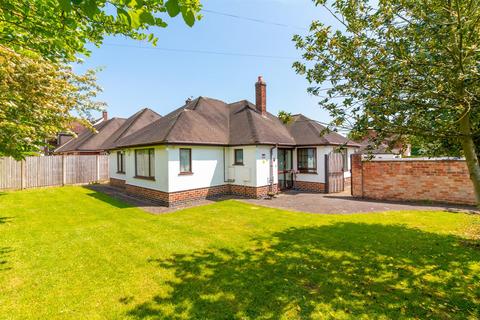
4,251
5,219
340,270
107,199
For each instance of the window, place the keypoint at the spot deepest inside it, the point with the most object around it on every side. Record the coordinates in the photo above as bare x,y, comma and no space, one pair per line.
307,160
120,162
238,157
185,160
145,163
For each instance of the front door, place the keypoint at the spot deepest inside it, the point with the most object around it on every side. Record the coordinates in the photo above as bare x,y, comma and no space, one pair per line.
285,174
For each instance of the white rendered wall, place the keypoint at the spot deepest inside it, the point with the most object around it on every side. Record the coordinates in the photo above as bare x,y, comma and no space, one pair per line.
112,167
207,168
348,174
263,165
320,175
161,174
242,175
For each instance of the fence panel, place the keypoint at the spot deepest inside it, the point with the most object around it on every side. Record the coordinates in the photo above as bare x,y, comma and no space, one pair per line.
10,174
43,171
35,172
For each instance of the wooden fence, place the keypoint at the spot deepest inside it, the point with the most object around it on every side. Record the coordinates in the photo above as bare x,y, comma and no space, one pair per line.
35,172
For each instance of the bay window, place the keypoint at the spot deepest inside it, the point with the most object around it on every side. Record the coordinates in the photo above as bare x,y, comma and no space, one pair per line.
145,163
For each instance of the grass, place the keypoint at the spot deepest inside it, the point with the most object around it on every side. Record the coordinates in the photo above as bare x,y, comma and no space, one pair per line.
72,253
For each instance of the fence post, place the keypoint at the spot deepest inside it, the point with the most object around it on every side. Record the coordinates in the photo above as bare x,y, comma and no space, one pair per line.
327,176
98,167
64,170
22,174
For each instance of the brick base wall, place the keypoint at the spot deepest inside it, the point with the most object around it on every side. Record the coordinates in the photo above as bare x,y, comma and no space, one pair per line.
117,183
154,195
182,197
445,181
252,192
309,186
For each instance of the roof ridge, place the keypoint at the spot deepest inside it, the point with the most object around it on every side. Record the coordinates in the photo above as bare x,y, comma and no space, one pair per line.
135,119
195,106
82,139
165,138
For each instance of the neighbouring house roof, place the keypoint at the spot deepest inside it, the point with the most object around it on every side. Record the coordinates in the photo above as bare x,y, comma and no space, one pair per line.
306,131
136,122
214,122
77,127
108,132
368,145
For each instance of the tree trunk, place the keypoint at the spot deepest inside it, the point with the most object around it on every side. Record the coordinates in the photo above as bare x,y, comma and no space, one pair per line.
471,156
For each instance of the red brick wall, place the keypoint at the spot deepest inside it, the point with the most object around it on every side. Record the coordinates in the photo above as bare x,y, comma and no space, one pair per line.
181,197
309,186
117,182
155,195
408,179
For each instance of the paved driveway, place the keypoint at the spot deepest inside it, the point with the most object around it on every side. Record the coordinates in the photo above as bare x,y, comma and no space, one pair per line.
344,203
297,201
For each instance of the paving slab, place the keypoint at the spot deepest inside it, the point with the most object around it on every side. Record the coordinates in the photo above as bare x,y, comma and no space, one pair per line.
340,203
344,203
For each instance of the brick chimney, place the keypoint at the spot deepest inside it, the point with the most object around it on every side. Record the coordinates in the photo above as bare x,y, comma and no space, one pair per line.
105,115
261,96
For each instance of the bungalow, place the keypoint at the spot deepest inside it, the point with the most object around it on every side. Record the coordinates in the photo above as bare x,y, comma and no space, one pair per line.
208,148
106,133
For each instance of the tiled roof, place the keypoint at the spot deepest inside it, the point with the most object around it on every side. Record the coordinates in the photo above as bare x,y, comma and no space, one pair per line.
108,132
210,121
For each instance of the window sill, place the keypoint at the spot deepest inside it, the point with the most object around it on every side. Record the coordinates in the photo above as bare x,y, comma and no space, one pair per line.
120,172
145,178
307,172
238,164
185,173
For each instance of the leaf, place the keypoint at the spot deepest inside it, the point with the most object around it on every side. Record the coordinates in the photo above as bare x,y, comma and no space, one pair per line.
147,18
123,15
66,5
134,18
90,8
173,9
189,18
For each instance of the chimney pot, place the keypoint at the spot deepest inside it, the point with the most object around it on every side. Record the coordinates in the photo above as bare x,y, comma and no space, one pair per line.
261,96
105,115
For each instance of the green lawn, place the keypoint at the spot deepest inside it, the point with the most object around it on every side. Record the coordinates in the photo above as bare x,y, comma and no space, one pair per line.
72,253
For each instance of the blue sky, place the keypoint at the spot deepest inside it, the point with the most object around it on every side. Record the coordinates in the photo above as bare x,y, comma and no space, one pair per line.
137,75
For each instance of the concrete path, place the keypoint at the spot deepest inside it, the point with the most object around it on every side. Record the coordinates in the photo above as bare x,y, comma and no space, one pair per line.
341,203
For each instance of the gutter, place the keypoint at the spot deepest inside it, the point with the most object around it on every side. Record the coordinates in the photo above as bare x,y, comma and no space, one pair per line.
271,168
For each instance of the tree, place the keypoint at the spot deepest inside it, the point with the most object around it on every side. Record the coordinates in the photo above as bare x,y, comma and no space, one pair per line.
284,116
39,98
60,29
404,68
39,91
